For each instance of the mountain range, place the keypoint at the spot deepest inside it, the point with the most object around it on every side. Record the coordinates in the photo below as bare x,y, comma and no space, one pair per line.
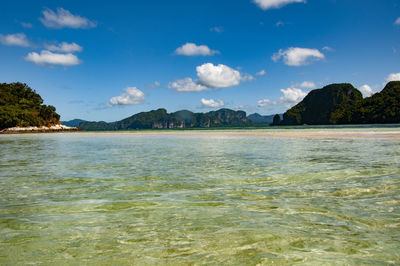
180,119
160,118
333,104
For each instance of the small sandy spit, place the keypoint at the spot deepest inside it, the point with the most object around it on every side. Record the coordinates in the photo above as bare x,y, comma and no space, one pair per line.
55,128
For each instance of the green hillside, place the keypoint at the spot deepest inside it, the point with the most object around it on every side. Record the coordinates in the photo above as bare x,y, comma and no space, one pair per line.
22,106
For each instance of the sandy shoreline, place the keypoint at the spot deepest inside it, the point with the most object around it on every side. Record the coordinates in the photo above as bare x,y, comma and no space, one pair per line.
391,134
34,129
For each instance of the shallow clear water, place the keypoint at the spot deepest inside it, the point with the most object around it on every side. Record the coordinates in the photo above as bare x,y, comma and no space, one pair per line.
198,199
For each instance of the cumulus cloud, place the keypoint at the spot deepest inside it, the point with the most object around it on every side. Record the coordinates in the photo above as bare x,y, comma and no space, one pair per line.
366,90
210,77
247,77
290,97
192,49
65,47
64,19
393,77
187,85
397,22
295,56
261,73
268,4
17,39
308,85
218,76
211,103
263,103
48,58
132,96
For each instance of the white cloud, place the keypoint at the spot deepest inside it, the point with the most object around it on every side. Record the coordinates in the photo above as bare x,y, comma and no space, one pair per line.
279,23
192,49
48,58
366,90
263,103
17,39
210,77
261,73
153,85
247,77
132,96
65,47
64,19
268,4
328,49
211,103
393,77
217,29
397,22
26,25
218,76
292,95
187,85
242,107
308,85
295,56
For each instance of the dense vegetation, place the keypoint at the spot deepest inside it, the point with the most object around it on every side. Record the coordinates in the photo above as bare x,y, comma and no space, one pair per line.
343,104
22,106
332,104
382,107
180,119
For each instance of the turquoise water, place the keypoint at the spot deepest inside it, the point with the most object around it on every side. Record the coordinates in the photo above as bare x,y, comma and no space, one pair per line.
178,199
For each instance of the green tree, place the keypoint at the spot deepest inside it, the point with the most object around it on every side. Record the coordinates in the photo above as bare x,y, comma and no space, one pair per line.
22,106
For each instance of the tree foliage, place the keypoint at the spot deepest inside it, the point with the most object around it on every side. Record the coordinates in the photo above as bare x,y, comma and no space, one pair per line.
383,107
276,120
22,106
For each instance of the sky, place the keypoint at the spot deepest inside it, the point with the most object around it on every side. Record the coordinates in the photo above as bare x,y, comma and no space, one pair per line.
107,60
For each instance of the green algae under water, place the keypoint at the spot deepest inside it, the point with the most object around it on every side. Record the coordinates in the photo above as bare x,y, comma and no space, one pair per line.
178,199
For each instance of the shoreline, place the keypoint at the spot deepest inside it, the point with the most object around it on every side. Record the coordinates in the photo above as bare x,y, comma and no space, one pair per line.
349,133
35,129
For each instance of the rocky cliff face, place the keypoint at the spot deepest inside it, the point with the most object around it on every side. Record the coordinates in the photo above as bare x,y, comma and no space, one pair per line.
168,124
343,104
333,104
158,119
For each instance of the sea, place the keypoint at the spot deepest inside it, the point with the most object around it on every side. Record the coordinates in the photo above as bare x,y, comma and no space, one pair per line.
299,196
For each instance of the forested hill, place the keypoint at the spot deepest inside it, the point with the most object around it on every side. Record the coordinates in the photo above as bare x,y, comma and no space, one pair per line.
382,107
21,106
181,119
343,104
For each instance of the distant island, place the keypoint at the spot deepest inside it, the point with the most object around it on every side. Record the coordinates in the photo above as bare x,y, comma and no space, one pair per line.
158,119
343,104
22,110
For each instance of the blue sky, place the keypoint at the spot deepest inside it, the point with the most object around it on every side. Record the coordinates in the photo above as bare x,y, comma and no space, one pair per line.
106,60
